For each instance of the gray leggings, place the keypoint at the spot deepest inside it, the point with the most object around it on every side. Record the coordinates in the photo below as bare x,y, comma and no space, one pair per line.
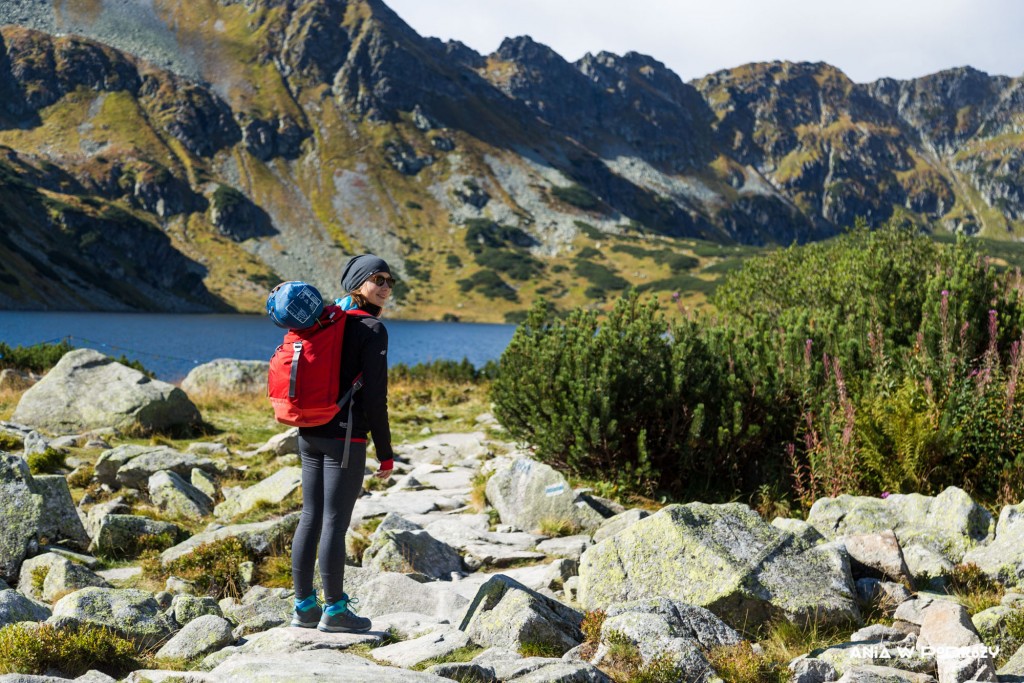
328,495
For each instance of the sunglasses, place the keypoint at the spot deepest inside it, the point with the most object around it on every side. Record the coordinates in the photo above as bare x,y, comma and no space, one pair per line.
381,280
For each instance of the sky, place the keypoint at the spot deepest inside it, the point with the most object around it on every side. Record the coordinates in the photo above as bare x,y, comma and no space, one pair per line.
867,39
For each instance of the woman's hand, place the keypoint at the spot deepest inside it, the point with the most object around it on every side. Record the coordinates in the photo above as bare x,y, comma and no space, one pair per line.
385,469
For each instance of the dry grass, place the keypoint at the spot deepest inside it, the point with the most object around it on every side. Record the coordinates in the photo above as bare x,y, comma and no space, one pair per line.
557,528
9,401
478,492
973,589
742,664
782,641
247,418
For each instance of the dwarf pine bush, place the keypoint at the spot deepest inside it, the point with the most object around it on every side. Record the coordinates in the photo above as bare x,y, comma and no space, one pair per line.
878,361
590,393
39,358
36,358
630,398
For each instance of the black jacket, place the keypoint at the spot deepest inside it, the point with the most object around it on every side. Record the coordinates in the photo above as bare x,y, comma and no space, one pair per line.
365,350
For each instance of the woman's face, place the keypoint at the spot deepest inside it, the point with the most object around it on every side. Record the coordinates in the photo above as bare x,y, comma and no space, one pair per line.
377,288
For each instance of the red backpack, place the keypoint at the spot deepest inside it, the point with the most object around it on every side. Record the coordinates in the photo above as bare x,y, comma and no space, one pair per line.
305,372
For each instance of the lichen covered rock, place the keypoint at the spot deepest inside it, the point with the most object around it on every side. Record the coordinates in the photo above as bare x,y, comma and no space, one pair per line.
177,497
1003,558
198,638
411,550
949,524
15,607
228,376
59,520
526,493
127,535
505,613
21,509
50,577
271,491
724,558
260,538
130,613
88,390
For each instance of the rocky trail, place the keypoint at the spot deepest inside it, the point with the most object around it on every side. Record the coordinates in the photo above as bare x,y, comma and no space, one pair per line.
538,582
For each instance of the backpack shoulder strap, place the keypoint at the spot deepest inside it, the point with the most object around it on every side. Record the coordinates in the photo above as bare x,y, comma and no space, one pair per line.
360,313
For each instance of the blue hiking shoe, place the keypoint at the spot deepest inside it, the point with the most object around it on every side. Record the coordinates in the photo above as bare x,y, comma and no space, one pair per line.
307,612
339,617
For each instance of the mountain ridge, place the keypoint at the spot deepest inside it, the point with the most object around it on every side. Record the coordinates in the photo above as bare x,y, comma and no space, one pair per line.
311,130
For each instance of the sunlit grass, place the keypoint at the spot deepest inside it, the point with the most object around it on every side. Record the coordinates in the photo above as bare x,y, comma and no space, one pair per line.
414,404
9,401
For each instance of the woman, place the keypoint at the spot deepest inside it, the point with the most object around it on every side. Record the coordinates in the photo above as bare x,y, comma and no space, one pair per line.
329,491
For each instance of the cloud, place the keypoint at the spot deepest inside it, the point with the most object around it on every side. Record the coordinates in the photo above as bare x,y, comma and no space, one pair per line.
868,39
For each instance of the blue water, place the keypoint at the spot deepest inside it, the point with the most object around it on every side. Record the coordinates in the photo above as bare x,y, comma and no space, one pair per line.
171,345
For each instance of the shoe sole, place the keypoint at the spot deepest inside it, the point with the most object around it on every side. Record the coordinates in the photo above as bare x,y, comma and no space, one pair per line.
305,624
341,629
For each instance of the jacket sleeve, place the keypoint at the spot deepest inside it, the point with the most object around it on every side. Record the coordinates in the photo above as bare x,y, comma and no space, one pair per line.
374,397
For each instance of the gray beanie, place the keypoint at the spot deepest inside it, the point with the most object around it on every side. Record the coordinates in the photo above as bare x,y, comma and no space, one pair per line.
359,269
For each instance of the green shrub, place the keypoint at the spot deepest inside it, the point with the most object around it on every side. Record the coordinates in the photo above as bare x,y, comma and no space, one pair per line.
516,264
589,230
442,370
265,280
226,197
483,234
887,279
212,566
81,477
37,358
877,362
909,370
741,664
653,406
416,270
49,461
453,261
589,254
600,275
682,282
577,196
540,648
501,248
727,265
38,578
489,284
676,262
9,442
40,649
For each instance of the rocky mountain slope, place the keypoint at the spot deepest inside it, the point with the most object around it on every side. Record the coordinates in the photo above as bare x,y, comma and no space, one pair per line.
236,144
